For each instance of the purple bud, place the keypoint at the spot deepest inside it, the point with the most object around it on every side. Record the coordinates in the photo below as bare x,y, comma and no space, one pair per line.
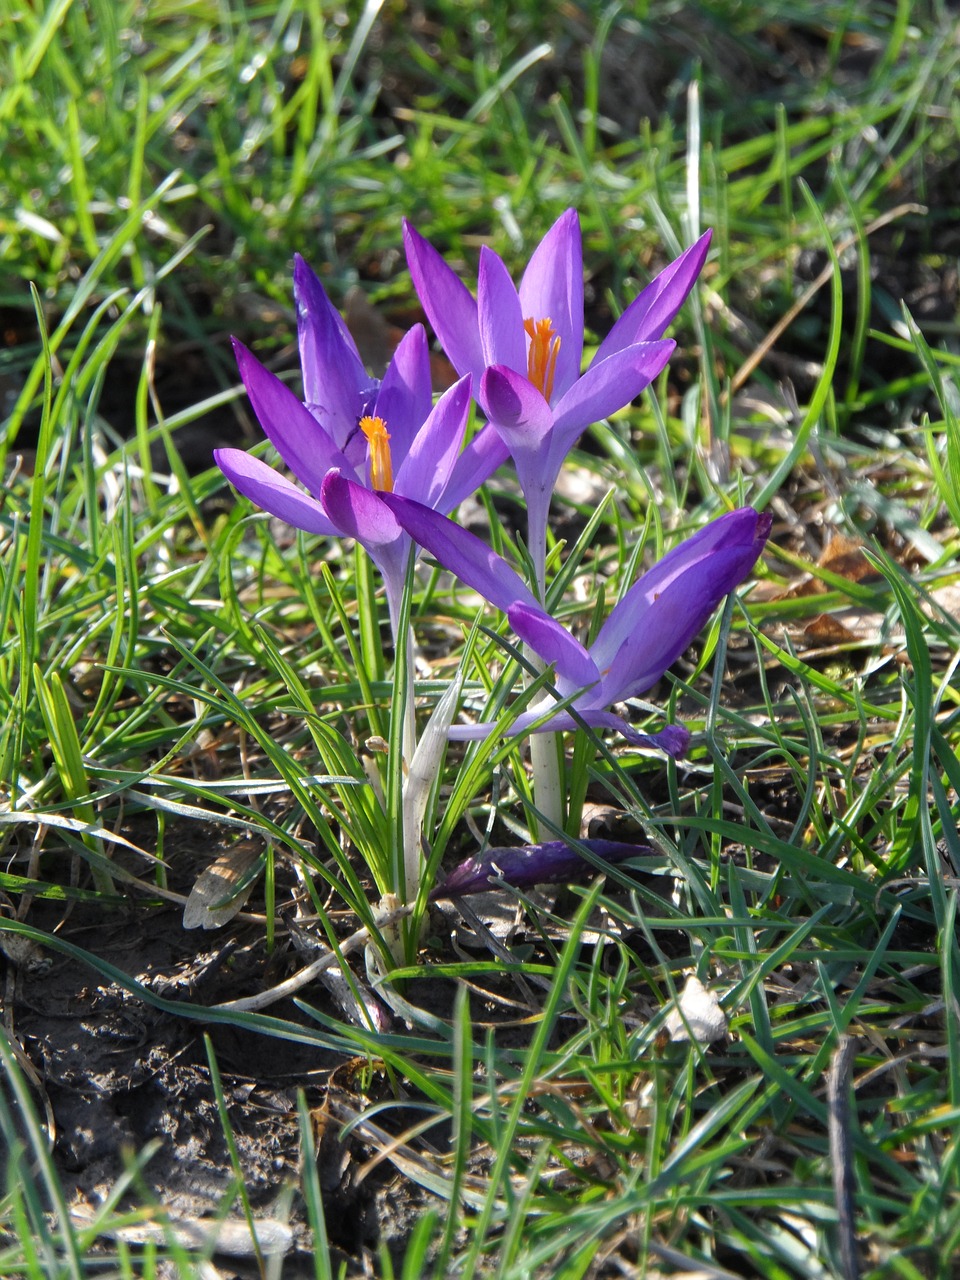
527,865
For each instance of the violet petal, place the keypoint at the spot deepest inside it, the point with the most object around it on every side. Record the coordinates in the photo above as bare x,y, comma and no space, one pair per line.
515,406
669,604
272,491
334,379
461,552
424,472
478,461
406,393
552,288
450,307
501,321
673,739
553,862
294,432
607,386
555,645
358,512
655,307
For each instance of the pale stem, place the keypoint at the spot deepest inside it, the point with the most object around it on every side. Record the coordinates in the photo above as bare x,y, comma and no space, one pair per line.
545,764
409,711
544,747
538,554
537,548
412,857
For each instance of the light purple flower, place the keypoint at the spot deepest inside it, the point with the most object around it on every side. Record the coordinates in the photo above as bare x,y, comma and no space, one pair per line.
645,633
379,436
524,348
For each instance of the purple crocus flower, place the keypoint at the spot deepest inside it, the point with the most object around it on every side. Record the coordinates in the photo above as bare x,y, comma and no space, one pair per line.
381,436
645,633
554,862
524,349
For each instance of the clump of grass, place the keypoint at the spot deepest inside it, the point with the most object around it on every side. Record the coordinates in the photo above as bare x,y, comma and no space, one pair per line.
159,169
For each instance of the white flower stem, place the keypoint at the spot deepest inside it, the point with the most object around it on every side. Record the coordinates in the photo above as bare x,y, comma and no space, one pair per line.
412,856
544,747
545,765
394,605
547,790
409,707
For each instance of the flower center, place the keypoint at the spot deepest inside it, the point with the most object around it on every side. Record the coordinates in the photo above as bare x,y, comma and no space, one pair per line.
381,464
542,354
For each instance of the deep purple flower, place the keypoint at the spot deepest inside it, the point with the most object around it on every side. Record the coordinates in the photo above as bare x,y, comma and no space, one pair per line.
554,862
380,436
524,349
645,633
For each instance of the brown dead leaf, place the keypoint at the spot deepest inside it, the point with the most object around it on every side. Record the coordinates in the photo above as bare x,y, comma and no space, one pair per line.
844,556
824,630
221,891
377,340
948,598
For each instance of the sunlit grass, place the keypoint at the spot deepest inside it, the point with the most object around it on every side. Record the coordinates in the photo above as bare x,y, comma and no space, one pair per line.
168,657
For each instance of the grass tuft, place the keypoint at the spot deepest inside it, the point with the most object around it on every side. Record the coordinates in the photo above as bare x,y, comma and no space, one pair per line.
178,673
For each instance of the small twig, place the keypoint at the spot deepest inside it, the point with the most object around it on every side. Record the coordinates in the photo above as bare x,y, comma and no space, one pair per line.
841,1151
784,323
250,1004
702,1268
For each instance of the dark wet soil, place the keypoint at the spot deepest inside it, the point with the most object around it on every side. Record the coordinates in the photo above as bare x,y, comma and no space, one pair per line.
125,1083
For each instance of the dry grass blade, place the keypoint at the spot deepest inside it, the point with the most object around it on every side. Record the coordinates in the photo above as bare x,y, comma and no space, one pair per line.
841,1151
329,960
228,1236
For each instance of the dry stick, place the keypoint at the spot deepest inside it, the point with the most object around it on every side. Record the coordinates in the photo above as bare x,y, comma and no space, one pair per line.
745,370
841,1151
250,1004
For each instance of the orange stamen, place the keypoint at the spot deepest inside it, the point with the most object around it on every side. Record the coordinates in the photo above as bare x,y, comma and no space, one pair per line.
381,464
542,354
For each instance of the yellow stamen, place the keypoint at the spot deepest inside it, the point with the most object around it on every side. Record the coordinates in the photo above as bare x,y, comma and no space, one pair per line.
381,464
542,355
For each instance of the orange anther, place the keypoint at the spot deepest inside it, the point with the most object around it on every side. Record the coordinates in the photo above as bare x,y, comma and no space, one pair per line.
542,354
381,464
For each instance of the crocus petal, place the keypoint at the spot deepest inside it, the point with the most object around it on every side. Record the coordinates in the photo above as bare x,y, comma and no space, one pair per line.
553,862
555,645
501,320
485,452
358,512
516,408
672,738
406,393
607,386
294,432
662,613
473,732
743,528
335,383
651,311
449,305
461,552
552,288
424,473
272,491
